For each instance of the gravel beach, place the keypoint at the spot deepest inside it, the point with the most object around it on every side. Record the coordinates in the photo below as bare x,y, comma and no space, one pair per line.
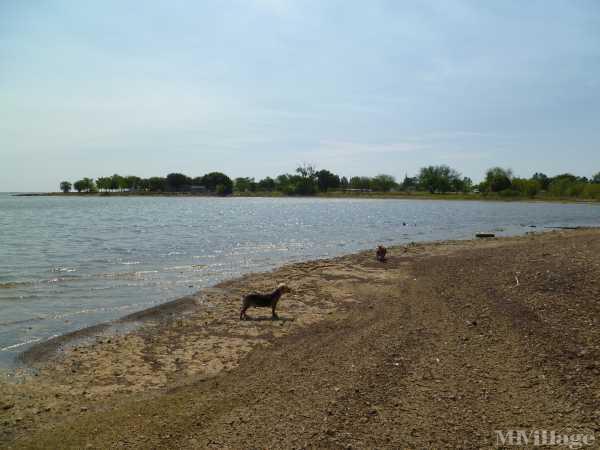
442,345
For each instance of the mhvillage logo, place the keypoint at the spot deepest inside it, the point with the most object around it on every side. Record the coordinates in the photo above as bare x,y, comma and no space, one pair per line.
570,437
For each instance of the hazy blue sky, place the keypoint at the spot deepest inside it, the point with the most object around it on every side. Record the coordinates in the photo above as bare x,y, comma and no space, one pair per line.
255,87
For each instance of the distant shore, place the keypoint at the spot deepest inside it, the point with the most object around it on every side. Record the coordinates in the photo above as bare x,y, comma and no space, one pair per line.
439,346
349,195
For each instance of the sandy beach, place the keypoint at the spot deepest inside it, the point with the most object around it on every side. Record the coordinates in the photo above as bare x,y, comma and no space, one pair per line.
440,346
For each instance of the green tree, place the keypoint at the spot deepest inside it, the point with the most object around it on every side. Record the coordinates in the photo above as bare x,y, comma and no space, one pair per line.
65,186
117,182
462,185
410,183
304,186
307,171
222,190
596,178
429,179
283,183
85,185
564,185
363,183
104,183
305,183
266,184
438,178
132,182
383,183
211,180
327,180
177,181
157,184
198,181
90,185
144,184
245,184
542,179
566,177
498,179
523,186
592,190
568,185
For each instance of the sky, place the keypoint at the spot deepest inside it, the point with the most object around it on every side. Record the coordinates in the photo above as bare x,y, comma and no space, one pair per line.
258,87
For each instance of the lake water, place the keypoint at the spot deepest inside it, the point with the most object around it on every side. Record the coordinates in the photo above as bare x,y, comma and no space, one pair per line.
67,263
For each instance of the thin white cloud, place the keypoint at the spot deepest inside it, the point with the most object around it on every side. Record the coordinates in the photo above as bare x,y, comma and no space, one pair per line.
343,149
462,155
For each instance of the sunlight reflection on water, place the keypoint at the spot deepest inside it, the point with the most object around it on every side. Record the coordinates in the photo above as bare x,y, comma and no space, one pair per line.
74,262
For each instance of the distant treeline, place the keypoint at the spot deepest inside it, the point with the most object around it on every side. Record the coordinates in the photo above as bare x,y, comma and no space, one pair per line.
307,180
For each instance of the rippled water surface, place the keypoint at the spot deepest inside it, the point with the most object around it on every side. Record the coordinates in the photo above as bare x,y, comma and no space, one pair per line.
67,263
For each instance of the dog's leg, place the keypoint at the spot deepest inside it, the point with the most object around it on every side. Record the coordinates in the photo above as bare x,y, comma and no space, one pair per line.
243,315
245,306
275,316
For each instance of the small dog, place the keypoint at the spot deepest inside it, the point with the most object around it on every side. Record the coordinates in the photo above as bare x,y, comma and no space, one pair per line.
381,252
263,300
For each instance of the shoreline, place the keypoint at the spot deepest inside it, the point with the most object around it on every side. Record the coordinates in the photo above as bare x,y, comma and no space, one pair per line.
332,195
200,337
44,351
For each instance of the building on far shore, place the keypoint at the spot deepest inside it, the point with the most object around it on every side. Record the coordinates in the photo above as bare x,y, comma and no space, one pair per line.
190,188
358,190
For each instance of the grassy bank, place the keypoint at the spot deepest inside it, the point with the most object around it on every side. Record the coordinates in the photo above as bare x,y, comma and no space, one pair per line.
350,195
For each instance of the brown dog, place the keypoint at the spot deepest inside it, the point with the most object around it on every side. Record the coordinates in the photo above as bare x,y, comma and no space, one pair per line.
263,300
381,252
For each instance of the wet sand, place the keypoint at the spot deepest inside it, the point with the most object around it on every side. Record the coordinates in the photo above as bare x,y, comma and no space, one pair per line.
440,345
